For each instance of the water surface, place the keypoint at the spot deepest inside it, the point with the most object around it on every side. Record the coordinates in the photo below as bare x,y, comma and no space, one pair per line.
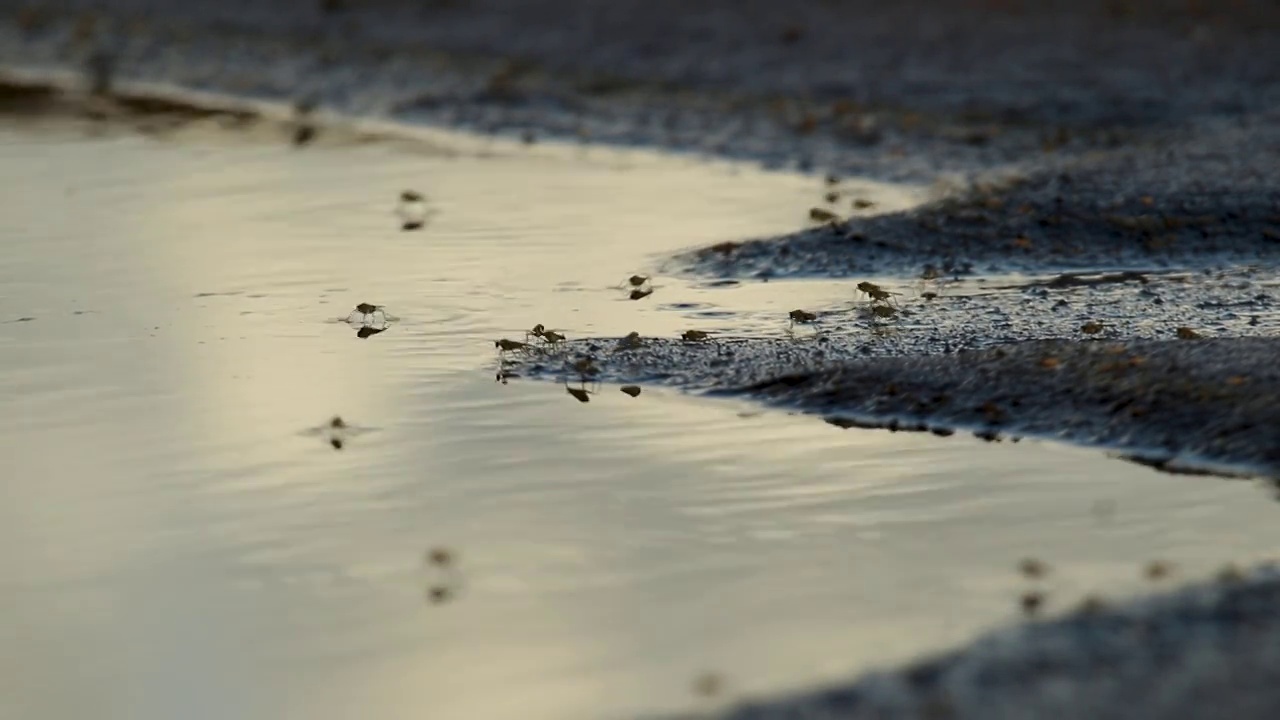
175,544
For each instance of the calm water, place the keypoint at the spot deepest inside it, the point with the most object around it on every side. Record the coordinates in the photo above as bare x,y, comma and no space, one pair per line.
174,544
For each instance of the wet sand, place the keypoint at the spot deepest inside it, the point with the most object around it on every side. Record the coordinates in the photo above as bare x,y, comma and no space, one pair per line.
1207,651
904,90
1203,200
1182,405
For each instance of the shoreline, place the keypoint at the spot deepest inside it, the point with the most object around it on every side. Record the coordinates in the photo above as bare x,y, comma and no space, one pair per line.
1160,167
898,92
1204,651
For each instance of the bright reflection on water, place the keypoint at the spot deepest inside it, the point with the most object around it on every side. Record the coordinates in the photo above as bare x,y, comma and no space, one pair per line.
174,546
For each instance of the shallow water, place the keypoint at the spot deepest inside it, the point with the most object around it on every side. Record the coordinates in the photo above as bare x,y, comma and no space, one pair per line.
176,544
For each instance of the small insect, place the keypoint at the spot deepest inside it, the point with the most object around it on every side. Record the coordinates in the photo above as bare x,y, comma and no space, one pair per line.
367,309
1033,568
640,294
440,557
1091,328
336,432
823,216
579,394
802,317
638,280
630,342
444,579
694,335
632,390
1031,603
875,292
509,345
1157,570
303,134
862,204
412,210
550,337
832,197
1186,333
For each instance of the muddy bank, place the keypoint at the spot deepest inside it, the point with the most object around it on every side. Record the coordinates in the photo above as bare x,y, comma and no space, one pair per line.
1194,405
1208,651
1097,134
1189,405
1208,198
901,90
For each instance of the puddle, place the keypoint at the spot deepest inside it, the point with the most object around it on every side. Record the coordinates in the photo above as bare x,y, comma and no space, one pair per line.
179,530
